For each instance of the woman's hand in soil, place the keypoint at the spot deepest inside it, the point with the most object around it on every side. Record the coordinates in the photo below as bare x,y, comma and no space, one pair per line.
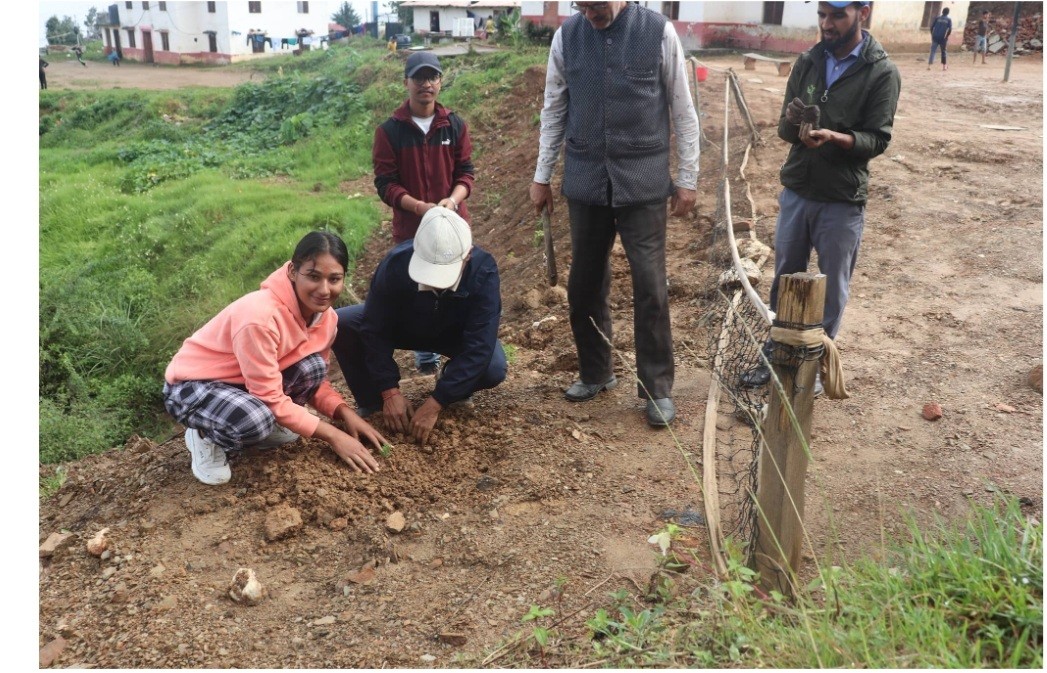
355,454
360,429
424,420
397,412
348,448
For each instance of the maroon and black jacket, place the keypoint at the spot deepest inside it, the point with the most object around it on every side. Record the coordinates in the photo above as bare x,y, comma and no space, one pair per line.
425,167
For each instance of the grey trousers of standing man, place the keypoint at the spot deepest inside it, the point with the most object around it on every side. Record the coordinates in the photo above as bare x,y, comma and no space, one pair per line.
834,230
642,230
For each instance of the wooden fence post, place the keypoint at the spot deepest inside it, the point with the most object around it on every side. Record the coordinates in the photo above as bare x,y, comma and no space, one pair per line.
782,464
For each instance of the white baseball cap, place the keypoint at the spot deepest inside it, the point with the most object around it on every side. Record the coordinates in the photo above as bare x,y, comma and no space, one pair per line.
441,245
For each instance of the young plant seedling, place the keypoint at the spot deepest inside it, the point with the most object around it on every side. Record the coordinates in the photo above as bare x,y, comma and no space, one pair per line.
385,450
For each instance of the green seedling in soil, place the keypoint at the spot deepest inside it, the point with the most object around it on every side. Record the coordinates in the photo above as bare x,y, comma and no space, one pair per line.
386,450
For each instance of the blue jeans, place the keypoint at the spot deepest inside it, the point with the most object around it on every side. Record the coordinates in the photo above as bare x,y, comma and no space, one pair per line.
934,47
425,358
834,230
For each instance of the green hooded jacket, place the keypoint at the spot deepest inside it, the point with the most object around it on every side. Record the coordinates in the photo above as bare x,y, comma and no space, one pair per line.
861,102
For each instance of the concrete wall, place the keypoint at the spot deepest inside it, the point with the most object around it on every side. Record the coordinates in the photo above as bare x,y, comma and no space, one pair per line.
187,24
447,18
738,25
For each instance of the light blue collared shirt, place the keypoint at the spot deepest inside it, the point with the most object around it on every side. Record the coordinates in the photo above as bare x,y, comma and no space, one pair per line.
834,68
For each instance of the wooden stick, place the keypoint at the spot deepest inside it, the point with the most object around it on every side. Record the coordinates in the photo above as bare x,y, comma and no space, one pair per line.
783,459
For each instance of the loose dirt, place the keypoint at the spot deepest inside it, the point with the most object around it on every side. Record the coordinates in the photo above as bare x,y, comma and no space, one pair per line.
526,489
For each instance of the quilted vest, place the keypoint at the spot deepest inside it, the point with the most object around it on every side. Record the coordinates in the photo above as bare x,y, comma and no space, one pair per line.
617,138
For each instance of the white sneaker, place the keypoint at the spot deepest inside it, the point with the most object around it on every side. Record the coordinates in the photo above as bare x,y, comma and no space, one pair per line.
278,437
209,463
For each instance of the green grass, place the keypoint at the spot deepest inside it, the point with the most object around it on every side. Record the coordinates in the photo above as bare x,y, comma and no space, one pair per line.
964,596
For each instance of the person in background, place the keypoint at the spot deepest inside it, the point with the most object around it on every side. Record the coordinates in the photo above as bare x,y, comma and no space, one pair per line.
615,85
78,50
422,158
981,36
243,379
941,29
114,57
436,292
43,75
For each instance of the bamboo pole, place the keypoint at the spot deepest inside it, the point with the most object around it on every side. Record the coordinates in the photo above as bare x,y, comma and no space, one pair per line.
783,459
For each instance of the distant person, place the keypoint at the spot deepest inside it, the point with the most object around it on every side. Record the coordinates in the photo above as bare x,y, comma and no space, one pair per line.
114,57
981,36
941,29
79,55
436,292
43,75
243,379
490,27
422,158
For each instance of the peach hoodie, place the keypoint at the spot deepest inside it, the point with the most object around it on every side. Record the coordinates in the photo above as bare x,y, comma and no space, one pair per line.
251,341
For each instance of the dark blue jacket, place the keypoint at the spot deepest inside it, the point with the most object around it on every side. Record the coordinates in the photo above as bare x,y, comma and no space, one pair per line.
461,324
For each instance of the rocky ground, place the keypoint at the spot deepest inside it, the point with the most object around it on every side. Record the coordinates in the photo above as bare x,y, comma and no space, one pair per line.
526,499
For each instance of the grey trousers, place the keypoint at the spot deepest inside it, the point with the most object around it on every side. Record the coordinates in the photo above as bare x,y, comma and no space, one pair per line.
642,230
834,230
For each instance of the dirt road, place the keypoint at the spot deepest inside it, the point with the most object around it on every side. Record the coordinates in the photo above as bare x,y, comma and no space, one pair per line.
525,489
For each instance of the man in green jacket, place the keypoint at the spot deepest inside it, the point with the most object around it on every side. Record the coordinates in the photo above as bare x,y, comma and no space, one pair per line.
855,85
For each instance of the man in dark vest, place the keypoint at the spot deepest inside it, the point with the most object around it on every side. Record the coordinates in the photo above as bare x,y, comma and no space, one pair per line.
616,79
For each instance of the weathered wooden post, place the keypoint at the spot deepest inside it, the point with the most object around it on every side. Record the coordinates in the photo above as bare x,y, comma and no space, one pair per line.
783,457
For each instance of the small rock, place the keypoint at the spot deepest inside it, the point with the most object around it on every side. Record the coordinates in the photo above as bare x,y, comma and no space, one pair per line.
1035,378
245,587
50,652
341,523
456,639
532,299
282,521
362,576
555,295
108,572
166,603
65,499
1004,408
225,547
157,570
428,658
53,543
395,522
325,621
932,411
487,483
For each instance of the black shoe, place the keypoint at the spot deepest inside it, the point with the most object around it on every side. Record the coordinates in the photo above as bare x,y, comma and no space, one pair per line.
580,392
759,375
660,412
364,412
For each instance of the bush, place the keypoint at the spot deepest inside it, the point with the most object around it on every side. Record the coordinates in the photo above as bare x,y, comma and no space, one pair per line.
539,34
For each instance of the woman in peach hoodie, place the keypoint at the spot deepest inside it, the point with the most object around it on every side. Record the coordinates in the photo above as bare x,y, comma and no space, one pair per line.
243,378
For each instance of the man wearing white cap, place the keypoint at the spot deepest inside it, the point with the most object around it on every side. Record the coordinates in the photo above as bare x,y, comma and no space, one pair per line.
436,292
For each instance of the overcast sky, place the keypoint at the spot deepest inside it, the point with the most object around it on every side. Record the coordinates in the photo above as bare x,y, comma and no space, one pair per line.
77,9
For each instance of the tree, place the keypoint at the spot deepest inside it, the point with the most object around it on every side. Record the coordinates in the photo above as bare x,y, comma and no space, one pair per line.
404,14
91,23
346,16
62,31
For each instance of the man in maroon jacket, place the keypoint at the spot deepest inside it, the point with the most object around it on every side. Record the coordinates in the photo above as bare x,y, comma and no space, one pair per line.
422,158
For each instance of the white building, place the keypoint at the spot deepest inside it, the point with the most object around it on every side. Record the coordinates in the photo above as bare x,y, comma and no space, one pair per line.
775,26
431,16
180,32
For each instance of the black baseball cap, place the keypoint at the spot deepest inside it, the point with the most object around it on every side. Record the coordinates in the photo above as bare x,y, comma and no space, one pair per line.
419,60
